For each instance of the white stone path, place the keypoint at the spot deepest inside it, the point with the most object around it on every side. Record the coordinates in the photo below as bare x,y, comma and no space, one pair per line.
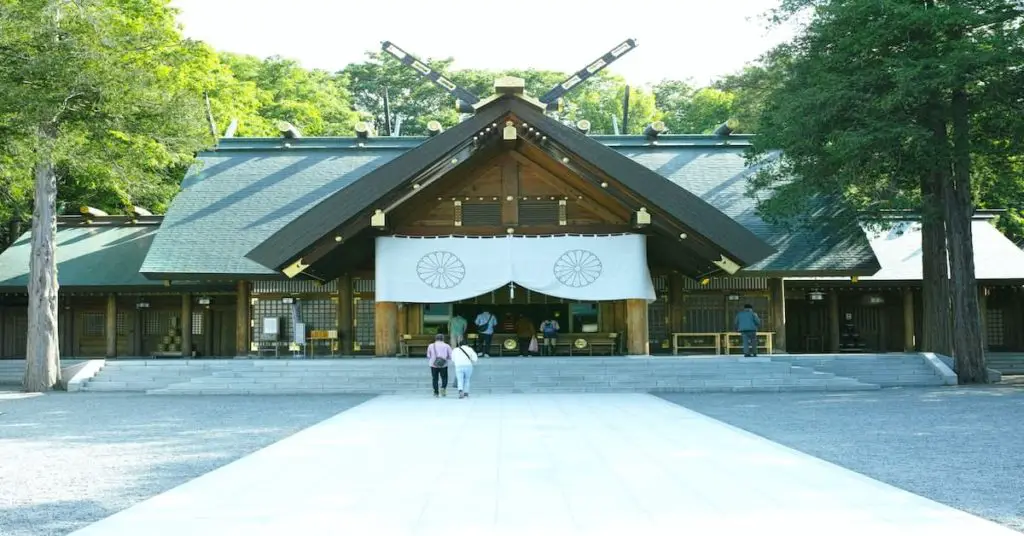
534,464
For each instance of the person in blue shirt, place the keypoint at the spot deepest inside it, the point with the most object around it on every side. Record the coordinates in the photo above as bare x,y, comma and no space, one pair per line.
550,329
747,323
485,323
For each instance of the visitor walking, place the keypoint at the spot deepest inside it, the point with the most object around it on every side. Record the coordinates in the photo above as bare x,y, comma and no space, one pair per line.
439,354
464,358
747,323
485,323
457,330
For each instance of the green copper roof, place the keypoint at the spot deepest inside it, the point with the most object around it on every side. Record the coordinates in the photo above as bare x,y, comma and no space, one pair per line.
719,176
87,256
244,192
249,188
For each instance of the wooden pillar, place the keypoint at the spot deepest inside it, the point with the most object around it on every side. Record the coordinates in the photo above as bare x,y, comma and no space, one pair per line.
242,326
137,332
777,298
637,338
208,332
345,339
983,312
908,320
186,325
675,300
111,325
385,329
833,321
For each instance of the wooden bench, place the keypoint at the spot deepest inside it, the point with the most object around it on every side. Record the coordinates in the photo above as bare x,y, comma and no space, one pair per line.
605,343
415,345
734,340
696,342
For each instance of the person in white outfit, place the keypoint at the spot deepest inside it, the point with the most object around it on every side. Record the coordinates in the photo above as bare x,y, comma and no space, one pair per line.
464,358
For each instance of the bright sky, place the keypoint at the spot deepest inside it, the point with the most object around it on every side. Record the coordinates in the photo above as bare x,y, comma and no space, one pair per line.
696,39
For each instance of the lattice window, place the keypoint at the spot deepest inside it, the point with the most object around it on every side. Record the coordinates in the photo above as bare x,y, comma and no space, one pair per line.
994,328
538,212
481,214
272,309
704,314
159,322
197,322
319,314
363,285
365,321
93,324
122,323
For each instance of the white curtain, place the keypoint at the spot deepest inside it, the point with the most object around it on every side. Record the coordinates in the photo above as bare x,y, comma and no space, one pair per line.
446,269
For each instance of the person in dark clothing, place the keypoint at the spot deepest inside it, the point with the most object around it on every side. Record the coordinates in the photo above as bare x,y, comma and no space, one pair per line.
525,332
747,323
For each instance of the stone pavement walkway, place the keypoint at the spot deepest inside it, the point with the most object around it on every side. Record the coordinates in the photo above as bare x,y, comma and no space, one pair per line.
534,464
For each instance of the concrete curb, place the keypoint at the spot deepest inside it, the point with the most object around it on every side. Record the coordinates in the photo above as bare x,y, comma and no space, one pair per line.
941,366
994,376
77,375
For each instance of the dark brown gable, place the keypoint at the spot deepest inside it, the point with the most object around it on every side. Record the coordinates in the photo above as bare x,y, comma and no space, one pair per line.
556,162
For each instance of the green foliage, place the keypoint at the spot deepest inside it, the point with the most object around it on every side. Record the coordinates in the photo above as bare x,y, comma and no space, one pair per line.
102,88
693,111
863,88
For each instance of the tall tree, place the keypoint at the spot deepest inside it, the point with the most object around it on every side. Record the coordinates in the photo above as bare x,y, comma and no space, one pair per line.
412,99
875,113
98,89
693,111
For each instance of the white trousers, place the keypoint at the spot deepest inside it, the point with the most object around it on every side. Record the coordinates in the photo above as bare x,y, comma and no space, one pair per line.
463,374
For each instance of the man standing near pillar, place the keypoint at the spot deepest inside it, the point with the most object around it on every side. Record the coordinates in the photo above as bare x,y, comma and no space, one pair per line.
747,323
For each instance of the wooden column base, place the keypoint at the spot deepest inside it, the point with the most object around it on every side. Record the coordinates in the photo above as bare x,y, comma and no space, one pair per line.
386,329
637,338
908,320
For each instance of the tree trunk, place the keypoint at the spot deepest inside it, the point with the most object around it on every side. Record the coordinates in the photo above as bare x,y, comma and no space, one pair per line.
42,366
935,318
967,345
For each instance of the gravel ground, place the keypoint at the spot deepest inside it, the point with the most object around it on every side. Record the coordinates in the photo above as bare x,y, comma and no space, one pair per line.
963,447
67,460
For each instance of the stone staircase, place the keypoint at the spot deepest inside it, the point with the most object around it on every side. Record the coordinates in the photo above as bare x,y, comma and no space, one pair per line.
493,375
886,370
142,375
1006,363
11,372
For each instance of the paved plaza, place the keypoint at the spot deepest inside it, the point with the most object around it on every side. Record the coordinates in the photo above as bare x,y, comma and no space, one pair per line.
534,464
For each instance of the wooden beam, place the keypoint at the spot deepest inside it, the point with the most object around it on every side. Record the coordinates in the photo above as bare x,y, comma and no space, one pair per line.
510,193
777,298
462,158
345,339
385,329
242,326
833,321
574,194
637,338
909,344
186,325
111,330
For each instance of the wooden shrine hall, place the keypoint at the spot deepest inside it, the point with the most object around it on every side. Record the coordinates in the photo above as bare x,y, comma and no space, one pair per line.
372,244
